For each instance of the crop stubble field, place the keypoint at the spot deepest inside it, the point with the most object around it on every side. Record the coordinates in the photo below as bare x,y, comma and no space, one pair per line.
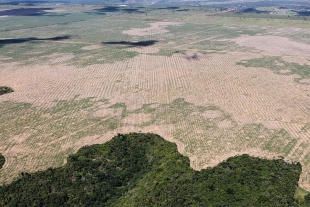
214,83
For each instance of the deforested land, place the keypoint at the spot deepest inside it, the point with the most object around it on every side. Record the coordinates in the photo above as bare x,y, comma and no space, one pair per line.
217,81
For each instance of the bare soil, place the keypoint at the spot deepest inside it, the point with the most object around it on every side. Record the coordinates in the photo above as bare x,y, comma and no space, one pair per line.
275,45
155,28
249,95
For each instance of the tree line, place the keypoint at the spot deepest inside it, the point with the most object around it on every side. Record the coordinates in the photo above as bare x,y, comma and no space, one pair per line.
2,160
139,169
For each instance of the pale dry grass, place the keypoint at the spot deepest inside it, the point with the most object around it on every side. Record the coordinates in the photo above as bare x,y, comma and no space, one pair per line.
59,58
305,80
136,119
104,112
144,50
248,95
226,124
211,114
302,60
155,28
284,71
275,45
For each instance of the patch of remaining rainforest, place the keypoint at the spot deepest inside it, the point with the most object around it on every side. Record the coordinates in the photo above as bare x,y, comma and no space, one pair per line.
139,169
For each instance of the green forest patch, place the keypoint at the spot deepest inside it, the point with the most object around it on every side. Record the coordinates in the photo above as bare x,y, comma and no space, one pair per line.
145,170
2,161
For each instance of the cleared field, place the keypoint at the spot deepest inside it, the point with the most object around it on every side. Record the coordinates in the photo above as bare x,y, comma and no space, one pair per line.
192,76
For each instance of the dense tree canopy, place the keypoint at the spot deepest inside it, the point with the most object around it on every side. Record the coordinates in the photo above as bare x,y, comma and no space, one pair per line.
2,160
145,170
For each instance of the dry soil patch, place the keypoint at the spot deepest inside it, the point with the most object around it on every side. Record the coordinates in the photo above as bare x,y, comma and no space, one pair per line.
274,45
155,28
211,114
249,95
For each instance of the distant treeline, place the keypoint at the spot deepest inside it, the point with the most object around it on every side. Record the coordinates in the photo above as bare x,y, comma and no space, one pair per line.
145,170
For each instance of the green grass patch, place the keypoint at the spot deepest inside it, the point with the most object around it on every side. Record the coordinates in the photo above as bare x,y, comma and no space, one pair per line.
299,196
278,142
68,120
307,159
288,148
278,66
191,120
305,128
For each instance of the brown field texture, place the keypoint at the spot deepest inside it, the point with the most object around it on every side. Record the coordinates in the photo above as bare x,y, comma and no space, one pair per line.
215,84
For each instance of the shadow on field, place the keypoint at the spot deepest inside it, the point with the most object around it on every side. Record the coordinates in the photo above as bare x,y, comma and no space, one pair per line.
108,9
252,10
192,57
114,9
28,12
5,89
132,44
303,13
169,8
31,39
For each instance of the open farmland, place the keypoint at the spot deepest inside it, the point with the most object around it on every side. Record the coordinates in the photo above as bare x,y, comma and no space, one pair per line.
216,84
